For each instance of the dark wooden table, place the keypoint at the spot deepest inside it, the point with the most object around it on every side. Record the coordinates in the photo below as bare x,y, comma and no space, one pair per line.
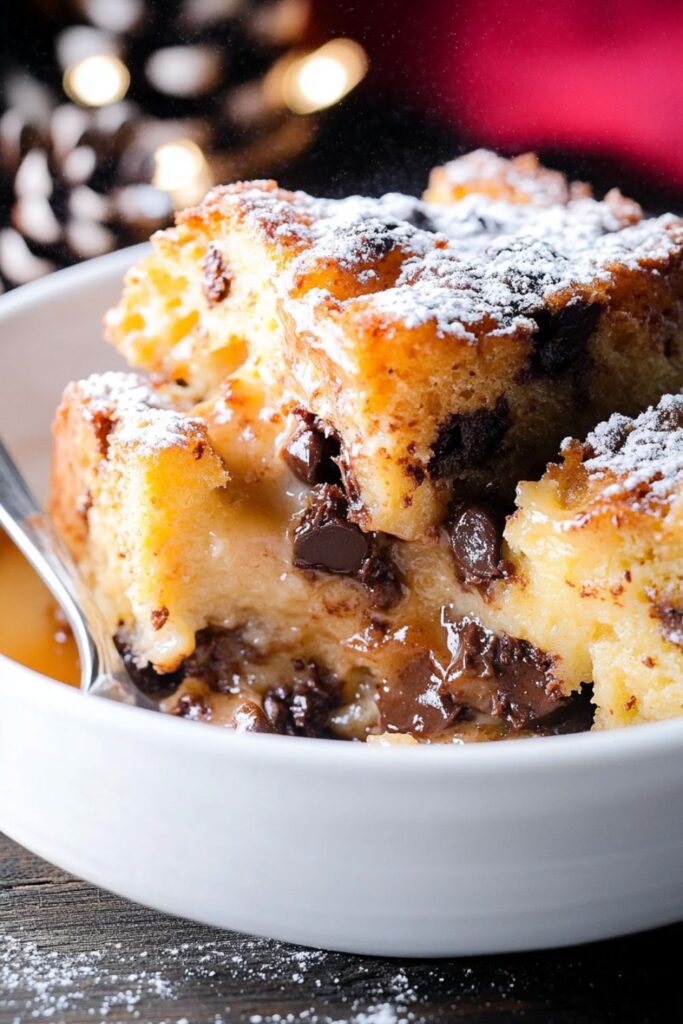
71,954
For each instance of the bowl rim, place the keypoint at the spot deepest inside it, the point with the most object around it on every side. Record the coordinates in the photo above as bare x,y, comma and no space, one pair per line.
585,748
70,279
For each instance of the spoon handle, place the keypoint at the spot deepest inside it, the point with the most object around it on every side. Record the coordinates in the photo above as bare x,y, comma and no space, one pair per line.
35,536
21,517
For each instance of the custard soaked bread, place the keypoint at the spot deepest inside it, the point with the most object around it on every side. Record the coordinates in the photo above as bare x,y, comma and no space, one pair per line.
298,524
447,347
236,584
596,548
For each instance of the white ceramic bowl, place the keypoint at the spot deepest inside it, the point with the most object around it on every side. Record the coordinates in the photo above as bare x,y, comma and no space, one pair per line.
409,851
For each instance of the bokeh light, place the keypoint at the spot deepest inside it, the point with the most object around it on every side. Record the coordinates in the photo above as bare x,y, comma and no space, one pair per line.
182,171
97,81
323,77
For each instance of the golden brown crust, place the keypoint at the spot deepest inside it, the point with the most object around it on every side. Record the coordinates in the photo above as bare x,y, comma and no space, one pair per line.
522,179
430,351
133,492
427,335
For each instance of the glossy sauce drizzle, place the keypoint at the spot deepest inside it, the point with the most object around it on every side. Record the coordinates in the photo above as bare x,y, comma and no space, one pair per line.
32,630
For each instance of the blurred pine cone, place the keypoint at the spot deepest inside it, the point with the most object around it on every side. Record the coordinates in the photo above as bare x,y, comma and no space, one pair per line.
115,111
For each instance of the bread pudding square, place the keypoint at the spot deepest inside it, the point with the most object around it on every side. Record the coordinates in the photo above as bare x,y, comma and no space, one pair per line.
135,490
243,594
447,347
597,551
299,524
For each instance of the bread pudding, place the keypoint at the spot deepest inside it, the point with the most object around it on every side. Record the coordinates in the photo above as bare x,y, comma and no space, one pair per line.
520,180
449,346
297,522
597,550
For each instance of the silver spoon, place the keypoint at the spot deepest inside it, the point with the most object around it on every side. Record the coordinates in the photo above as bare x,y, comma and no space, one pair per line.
102,668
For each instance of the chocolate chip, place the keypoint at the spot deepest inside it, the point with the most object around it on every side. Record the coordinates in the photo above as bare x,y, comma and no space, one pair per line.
146,678
467,440
325,539
217,276
312,449
501,675
276,708
303,708
475,538
574,713
249,717
194,708
413,702
218,658
561,337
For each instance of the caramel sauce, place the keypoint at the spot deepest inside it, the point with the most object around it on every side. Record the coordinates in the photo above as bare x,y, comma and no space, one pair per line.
32,629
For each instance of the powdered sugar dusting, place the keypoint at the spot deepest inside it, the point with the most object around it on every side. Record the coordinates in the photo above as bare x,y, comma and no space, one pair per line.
524,175
645,454
123,390
140,416
479,260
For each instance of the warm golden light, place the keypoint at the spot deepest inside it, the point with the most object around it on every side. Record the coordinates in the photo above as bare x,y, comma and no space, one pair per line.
323,77
181,170
97,81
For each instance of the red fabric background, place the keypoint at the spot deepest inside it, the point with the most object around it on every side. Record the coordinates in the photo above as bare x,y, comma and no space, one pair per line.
600,75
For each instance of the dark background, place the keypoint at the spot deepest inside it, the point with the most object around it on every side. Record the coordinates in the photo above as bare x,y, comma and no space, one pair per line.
594,87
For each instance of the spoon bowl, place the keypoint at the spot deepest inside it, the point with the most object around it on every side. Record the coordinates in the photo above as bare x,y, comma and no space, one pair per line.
102,669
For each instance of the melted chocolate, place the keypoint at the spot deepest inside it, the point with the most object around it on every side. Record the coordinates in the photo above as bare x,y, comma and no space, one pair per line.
218,658
561,338
146,678
304,708
574,713
468,440
325,539
419,219
500,675
312,450
414,702
475,536
194,708
382,579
